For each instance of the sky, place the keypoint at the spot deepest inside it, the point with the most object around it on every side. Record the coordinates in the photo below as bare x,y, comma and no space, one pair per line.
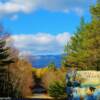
41,27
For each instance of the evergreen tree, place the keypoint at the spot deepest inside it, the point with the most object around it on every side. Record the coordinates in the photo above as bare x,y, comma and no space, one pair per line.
75,49
5,60
52,66
57,91
95,34
83,51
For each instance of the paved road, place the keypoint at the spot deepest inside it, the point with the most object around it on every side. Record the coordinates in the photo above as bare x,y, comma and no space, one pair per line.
40,97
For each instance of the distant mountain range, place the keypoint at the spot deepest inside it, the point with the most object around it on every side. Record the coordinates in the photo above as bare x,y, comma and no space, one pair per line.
40,61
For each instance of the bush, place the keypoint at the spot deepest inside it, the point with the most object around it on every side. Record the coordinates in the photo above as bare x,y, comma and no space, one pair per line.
57,90
55,83
50,76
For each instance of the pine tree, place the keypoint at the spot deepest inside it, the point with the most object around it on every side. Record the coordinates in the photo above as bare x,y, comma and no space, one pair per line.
83,51
5,60
95,33
95,11
76,48
57,91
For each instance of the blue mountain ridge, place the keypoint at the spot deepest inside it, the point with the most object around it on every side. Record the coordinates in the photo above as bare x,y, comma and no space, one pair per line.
40,61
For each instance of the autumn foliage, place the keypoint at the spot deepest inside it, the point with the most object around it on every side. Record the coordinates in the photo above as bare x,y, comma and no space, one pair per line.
15,73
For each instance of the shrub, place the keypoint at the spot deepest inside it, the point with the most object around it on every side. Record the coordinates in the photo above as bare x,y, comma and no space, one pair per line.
57,90
54,81
50,76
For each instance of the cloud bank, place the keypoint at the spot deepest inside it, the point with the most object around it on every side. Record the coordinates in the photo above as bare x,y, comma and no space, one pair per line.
27,6
41,43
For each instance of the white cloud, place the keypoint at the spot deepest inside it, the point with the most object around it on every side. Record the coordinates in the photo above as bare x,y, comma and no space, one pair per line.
41,43
15,6
63,38
26,6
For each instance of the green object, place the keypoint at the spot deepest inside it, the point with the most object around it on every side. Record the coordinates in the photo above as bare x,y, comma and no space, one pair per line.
83,50
56,90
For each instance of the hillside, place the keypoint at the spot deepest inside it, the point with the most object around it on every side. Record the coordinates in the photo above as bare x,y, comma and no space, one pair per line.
40,61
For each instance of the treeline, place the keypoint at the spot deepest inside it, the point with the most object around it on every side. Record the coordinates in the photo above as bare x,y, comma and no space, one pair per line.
83,49
15,73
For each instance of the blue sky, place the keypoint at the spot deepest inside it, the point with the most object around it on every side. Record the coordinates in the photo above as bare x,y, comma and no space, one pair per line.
42,26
